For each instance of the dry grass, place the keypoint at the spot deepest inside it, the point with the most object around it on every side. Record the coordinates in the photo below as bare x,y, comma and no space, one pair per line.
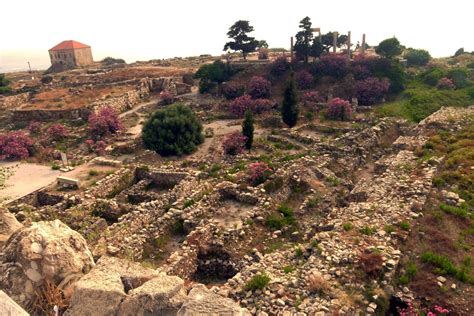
48,296
371,263
317,283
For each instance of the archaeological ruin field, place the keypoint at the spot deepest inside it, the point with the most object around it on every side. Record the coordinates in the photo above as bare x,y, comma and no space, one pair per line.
325,179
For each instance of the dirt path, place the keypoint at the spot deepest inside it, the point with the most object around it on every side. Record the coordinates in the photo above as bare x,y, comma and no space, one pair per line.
138,107
25,179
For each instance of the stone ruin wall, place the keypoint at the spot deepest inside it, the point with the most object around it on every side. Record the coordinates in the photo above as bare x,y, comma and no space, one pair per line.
120,103
14,100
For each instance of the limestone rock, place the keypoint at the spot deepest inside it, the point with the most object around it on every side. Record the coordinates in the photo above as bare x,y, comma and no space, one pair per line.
43,251
120,287
9,306
202,301
8,225
162,295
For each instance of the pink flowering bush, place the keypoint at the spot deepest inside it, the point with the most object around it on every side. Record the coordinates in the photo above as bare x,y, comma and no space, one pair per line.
258,173
97,147
310,98
233,143
166,97
241,104
339,109
103,123
56,132
371,90
304,79
445,84
279,66
259,87
34,127
412,311
259,106
238,106
15,145
232,91
333,65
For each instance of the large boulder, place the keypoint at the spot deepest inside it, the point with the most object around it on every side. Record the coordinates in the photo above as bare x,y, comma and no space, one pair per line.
162,295
120,287
8,225
44,251
10,307
202,301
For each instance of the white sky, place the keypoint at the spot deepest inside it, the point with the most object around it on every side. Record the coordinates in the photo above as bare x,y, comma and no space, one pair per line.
143,30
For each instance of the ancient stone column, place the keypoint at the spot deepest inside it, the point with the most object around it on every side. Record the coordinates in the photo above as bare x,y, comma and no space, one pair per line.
363,44
334,42
292,49
349,45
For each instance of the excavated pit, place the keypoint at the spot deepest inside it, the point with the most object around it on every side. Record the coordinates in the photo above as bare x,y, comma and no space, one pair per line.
214,266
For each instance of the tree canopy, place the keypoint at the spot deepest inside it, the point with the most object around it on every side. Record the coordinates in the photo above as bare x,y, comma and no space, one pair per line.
304,39
389,48
241,41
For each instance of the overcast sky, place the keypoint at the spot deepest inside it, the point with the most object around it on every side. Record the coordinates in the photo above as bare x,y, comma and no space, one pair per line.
143,30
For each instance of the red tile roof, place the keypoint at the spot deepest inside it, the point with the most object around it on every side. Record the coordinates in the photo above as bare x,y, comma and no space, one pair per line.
69,45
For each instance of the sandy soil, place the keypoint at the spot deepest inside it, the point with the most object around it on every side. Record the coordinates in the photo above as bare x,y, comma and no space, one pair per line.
26,178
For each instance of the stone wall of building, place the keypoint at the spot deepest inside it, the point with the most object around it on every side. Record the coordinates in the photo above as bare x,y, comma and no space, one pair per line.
83,56
72,57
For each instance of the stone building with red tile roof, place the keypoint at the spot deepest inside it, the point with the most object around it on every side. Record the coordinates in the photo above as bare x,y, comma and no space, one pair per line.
71,54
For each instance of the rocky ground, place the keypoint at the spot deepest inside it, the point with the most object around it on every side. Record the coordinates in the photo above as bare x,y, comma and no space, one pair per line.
325,234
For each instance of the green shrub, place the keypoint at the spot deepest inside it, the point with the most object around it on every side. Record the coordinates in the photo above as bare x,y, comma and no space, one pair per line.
174,130
257,282
444,265
409,274
438,182
462,212
273,185
4,82
432,76
55,166
367,230
93,172
417,57
347,226
284,217
288,269
404,225
213,74
459,77
298,251
389,228
285,210
188,203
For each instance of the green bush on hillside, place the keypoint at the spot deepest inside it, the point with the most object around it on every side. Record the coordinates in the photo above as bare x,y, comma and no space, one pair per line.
174,130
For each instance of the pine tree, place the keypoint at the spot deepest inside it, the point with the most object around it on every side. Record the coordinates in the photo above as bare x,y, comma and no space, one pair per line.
289,110
304,39
247,129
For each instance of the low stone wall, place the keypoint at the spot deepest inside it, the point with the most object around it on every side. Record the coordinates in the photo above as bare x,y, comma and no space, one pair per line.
113,184
14,100
50,115
127,100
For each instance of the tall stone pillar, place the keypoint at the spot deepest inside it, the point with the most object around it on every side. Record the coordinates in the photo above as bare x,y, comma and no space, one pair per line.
349,45
292,50
363,44
334,41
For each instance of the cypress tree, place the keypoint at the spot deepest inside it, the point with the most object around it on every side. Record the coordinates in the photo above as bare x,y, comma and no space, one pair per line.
289,110
247,128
